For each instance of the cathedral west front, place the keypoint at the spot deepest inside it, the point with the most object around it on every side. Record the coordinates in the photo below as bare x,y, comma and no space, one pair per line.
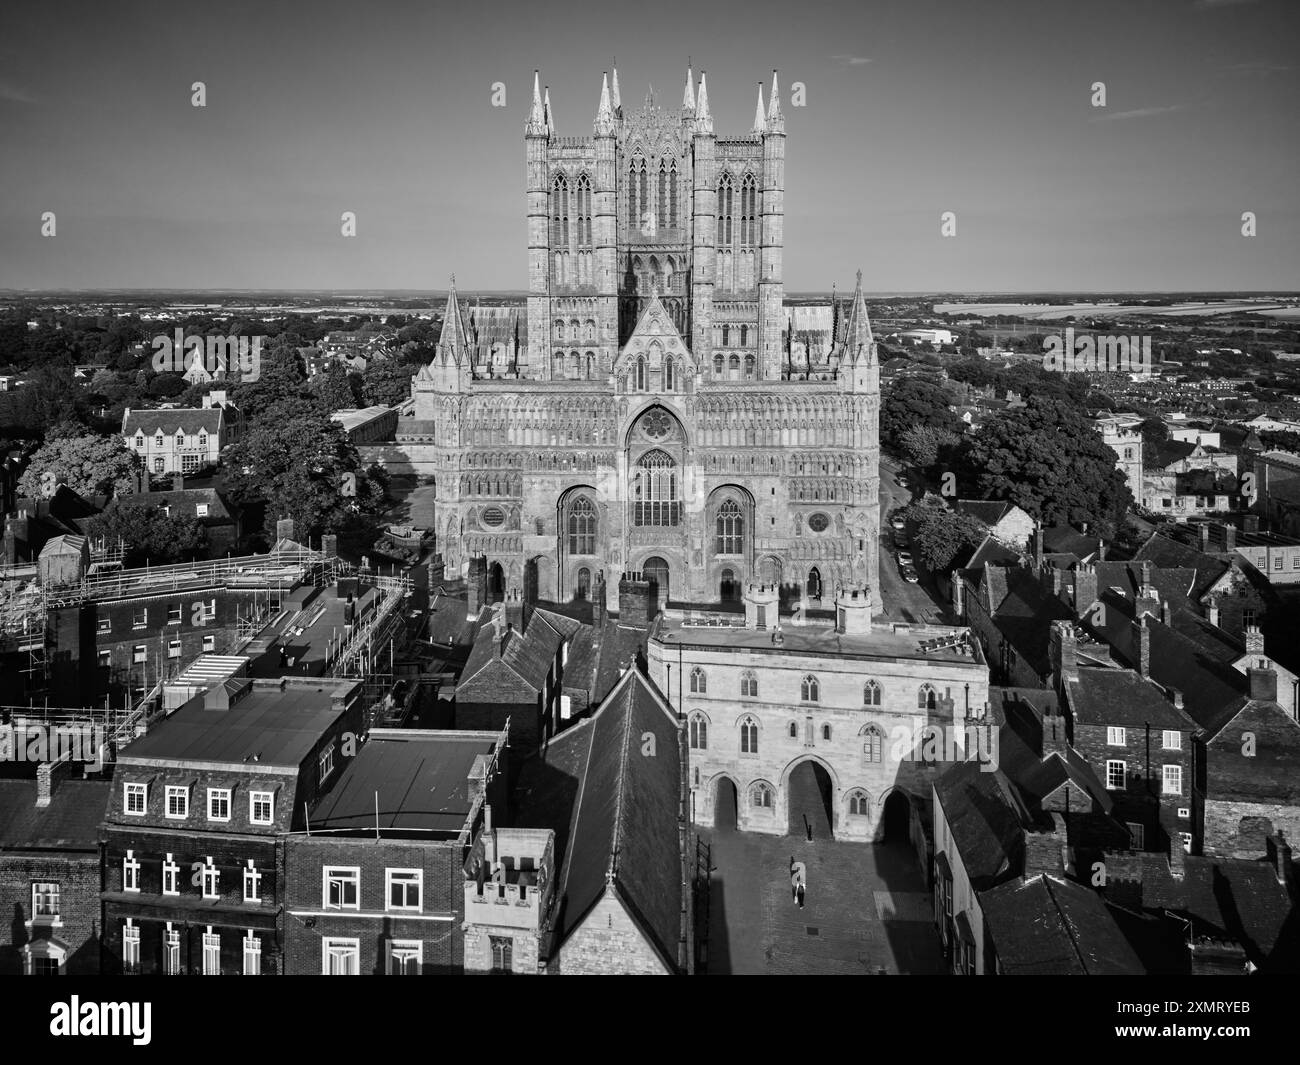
654,409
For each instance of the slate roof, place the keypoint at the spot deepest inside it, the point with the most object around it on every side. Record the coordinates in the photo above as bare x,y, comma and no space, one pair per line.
986,821
1121,697
1023,611
1046,926
989,511
70,822
623,832
1268,776
1066,540
527,655
191,419
1164,552
219,512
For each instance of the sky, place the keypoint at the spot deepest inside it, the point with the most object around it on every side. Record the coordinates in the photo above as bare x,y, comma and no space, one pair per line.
912,108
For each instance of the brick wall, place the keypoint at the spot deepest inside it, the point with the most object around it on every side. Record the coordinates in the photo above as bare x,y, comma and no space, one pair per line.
1142,802
77,874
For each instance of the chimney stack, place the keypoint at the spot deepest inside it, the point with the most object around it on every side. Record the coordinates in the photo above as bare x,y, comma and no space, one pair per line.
476,585
1204,530
1144,647
1254,640
329,545
1148,599
48,775
1229,538
1062,651
1085,588
636,600
1166,612
1176,697
1263,685
284,529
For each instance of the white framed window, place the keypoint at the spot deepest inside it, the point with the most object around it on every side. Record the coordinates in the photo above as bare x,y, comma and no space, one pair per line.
342,888
173,648
140,618
1116,736
252,954
1186,837
174,614
130,872
45,899
106,658
171,951
218,804
171,873
405,957
1171,777
1184,812
135,798
211,880
261,807
200,510
139,653
326,763
178,802
1172,741
1115,774
340,957
403,888
104,625
252,883
209,643
211,953
130,945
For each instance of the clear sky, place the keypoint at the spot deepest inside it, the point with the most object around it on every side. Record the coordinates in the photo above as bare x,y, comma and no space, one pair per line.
913,108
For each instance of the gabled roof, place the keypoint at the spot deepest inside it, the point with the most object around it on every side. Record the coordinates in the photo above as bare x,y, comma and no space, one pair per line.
1170,554
1268,774
986,820
527,655
989,511
191,419
1046,926
1121,697
624,831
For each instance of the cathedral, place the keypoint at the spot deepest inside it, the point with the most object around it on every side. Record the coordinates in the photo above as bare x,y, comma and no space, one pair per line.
654,409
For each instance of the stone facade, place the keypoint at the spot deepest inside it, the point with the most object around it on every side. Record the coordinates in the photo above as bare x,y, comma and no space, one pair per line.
647,417
860,707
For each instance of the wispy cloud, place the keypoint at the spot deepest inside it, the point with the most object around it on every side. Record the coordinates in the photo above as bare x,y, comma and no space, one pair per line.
14,94
1141,112
852,60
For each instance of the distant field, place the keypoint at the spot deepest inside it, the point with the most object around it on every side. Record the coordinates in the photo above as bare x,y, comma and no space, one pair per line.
1047,312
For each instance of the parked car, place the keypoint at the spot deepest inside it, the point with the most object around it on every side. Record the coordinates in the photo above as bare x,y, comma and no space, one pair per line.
910,575
899,524
902,483
905,558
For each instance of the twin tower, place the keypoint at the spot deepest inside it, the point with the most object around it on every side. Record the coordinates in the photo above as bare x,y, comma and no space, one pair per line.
654,203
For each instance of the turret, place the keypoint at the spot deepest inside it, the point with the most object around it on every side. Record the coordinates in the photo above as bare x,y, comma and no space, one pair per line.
760,124
605,229
536,124
604,125
705,207
541,125
771,283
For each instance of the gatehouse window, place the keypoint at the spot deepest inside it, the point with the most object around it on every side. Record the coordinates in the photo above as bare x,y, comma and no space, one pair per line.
859,804
748,736
699,681
699,732
871,694
925,698
749,684
873,743
761,796
809,689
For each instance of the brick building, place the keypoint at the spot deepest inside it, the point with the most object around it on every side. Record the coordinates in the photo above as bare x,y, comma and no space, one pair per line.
49,873
376,878
818,721
194,854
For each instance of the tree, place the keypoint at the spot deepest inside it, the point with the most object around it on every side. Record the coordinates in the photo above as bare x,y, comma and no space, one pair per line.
339,389
387,382
941,533
149,533
915,401
166,385
1154,431
921,444
1047,459
86,463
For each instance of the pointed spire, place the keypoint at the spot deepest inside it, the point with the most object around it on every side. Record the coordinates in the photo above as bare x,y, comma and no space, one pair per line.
453,325
703,119
775,120
546,109
536,125
604,113
760,125
857,333
688,97
617,101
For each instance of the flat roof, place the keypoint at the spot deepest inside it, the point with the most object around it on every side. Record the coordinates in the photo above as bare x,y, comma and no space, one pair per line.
273,723
885,641
421,778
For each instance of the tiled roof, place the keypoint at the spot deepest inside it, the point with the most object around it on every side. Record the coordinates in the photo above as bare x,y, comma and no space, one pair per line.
70,822
190,419
1045,926
1121,697
986,821
989,511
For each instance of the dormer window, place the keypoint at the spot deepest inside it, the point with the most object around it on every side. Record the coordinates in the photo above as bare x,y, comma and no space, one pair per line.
139,439
158,440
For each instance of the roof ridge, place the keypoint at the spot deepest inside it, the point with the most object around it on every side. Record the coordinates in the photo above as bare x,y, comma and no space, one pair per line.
619,806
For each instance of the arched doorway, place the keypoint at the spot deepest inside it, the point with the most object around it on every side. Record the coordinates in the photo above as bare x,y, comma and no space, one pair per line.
896,818
728,586
814,583
496,588
810,801
584,583
655,570
725,803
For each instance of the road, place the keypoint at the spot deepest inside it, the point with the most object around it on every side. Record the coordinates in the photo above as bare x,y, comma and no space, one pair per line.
903,601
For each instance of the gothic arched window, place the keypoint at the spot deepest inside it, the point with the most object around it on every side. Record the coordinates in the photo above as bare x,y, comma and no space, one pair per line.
809,689
669,382
662,202
859,804
699,682
560,212
731,528
699,732
748,210
873,744
640,373
871,694
761,796
925,698
826,732
582,527
726,206
654,490
672,195
748,736
584,212
749,367
749,684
